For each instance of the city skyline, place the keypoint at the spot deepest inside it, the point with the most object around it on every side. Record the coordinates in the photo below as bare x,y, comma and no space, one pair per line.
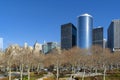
28,21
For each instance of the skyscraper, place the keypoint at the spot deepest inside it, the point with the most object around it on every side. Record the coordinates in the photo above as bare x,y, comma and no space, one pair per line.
68,36
48,47
1,44
85,25
114,35
98,36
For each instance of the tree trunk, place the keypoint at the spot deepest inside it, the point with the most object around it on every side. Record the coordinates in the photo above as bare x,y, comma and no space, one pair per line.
16,67
96,71
83,75
28,73
9,72
38,68
104,73
73,69
32,68
21,71
111,66
117,66
57,70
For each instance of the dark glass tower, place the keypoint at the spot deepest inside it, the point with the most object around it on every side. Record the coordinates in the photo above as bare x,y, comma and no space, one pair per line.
85,25
68,36
114,35
98,36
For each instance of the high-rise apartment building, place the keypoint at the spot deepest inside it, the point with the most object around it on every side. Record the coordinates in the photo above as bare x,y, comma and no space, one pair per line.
98,36
114,35
68,36
85,26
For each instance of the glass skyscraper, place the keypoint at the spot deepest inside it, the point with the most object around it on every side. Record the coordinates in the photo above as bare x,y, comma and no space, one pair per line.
85,26
98,36
68,36
48,47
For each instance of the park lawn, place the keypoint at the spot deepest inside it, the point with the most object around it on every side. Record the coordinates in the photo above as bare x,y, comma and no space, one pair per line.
33,76
108,77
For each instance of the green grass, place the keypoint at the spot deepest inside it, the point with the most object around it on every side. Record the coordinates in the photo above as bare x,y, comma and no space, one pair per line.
33,76
108,77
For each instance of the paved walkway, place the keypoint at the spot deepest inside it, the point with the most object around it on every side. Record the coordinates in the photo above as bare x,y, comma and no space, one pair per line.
80,74
2,76
45,76
41,78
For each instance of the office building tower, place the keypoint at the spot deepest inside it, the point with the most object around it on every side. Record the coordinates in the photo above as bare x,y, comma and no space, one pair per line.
98,36
48,47
44,48
114,35
68,36
85,26
1,44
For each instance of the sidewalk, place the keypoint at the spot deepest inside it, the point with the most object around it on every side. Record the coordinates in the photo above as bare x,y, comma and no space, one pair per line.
45,76
40,78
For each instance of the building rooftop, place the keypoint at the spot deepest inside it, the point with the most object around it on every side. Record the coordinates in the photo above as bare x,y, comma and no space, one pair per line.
116,20
97,27
86,14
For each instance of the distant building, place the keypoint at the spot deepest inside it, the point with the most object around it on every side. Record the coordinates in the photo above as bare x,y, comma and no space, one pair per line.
48,47
104,43
30,48
37,47
25,45
114,35
84,29
68,36
98,36
1,44
44,48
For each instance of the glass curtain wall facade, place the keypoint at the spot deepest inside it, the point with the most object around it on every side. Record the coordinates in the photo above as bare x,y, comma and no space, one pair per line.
48,47
68,36
98,36
85,26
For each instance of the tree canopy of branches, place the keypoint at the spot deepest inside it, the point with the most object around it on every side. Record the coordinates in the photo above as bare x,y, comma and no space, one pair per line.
21,58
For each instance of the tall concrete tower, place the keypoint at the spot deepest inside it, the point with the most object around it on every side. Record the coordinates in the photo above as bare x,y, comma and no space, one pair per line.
114,35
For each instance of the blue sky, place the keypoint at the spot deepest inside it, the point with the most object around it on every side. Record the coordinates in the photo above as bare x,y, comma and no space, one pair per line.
30,20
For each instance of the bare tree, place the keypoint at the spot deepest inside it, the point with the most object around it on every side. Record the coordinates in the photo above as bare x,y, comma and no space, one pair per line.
39,59
29,58
11,56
